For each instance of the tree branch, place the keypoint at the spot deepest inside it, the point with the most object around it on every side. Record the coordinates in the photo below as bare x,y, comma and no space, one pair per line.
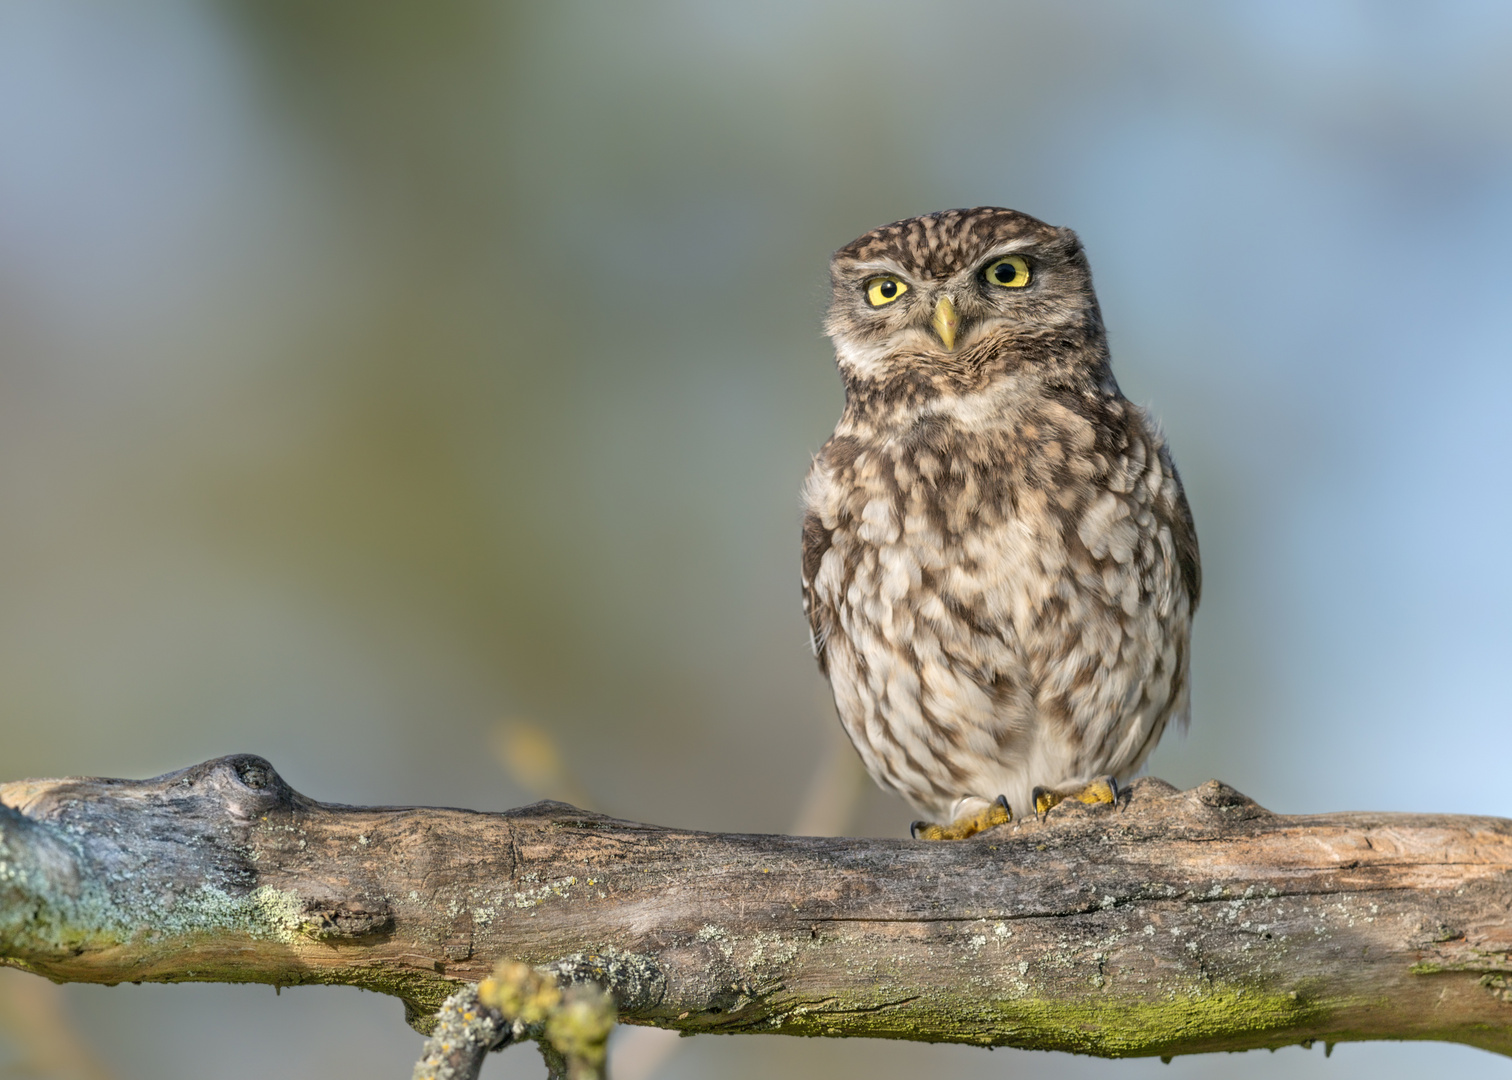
1183,922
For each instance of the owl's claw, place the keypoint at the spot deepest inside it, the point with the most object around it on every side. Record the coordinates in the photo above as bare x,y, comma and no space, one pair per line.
1103,790
996,813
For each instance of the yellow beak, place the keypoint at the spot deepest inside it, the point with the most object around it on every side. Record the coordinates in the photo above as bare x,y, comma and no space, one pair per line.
945,321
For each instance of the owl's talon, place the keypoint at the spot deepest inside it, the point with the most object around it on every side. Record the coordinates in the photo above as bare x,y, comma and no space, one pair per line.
1119,799
1103,790
996,813
1044,800
1100,792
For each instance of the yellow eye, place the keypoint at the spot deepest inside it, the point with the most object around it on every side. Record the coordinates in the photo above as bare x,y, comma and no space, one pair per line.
884,290
1011,272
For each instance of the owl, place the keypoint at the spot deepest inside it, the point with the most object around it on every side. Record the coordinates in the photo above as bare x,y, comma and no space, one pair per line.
999,565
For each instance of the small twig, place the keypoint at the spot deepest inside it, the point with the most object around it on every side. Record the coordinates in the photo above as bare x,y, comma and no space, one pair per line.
518,1002
465,1034
572,1026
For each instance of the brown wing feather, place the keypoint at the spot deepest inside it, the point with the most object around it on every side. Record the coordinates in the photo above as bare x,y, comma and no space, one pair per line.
1183,533
816,541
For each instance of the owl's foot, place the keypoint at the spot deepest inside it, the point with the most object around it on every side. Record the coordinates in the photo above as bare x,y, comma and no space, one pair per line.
1102,790
969,824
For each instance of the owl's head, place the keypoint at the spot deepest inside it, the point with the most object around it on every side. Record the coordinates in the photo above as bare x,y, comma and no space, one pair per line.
956,292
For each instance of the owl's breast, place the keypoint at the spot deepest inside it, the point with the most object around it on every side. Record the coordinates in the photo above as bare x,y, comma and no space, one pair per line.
999,596
1001,539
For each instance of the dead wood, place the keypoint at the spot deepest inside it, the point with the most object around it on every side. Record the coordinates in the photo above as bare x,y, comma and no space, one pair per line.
1181,922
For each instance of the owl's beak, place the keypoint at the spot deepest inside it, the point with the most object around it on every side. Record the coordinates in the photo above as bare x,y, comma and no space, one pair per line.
945,320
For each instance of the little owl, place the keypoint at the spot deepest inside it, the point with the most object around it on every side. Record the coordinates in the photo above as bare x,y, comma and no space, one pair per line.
999,565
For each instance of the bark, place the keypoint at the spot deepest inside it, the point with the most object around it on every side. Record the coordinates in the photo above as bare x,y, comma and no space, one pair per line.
1180,922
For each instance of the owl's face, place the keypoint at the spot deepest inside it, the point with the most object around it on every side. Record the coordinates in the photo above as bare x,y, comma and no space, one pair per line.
949,290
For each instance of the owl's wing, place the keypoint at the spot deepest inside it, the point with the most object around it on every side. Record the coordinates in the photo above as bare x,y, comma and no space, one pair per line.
1174,512
816,541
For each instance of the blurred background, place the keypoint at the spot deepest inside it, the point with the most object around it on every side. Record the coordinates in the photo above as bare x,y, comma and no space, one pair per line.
417,394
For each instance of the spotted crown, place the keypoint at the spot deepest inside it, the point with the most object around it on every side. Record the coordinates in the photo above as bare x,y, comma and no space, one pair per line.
944,243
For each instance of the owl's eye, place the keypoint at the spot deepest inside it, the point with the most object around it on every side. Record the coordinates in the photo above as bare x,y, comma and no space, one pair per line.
1011,272
884,290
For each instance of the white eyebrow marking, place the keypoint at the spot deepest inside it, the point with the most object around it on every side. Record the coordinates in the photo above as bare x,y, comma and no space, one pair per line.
1009,248
883,266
